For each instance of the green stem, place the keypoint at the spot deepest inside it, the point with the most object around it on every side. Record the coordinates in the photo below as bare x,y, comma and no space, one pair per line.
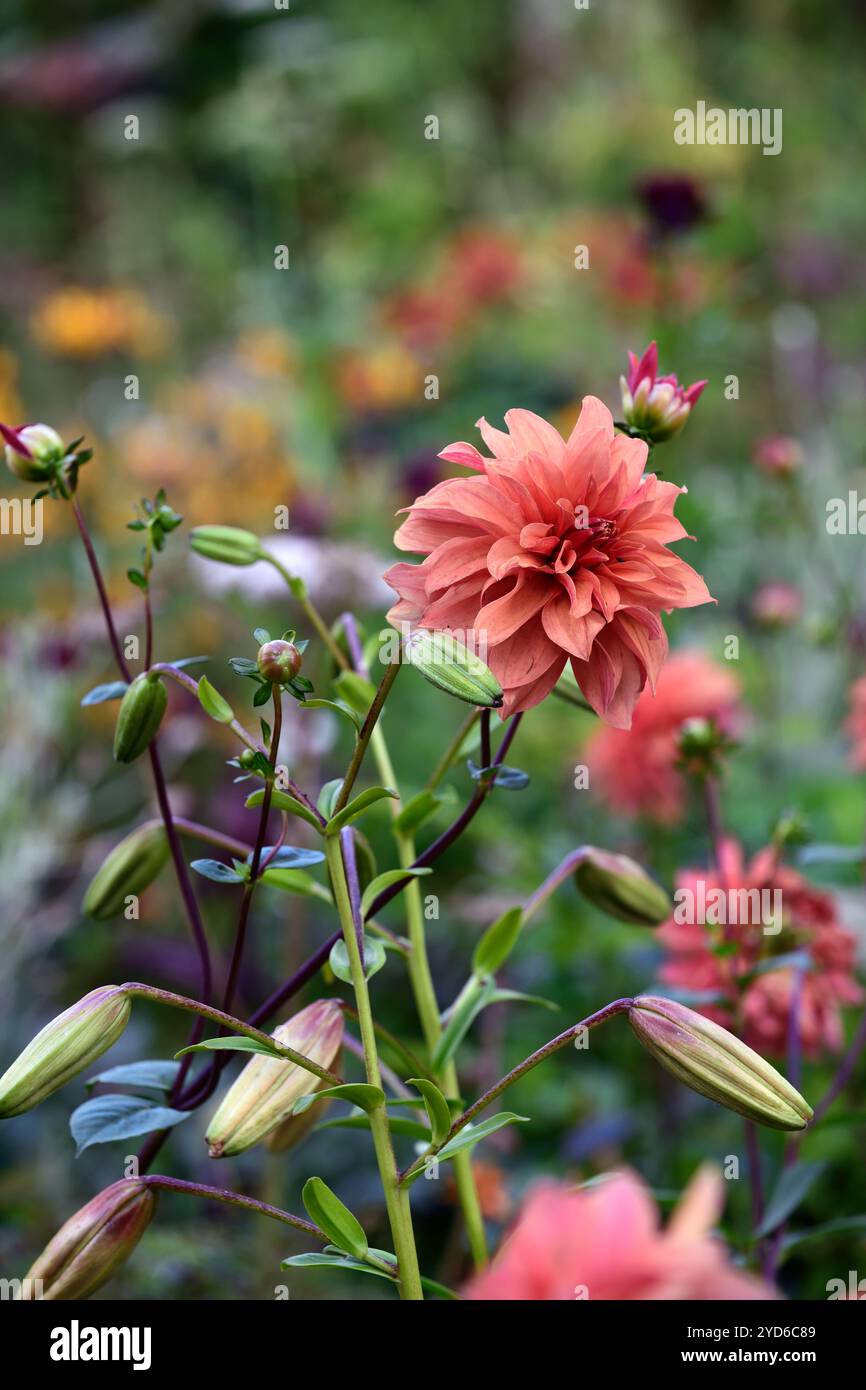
312,614
452,750
396,1198
368,730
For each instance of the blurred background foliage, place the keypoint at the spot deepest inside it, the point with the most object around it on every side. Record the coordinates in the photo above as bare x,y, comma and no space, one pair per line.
154,257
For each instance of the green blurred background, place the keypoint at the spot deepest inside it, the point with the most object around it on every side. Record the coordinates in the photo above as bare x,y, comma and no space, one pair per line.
153,258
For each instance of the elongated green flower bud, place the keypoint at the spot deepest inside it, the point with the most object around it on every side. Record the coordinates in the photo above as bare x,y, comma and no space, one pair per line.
139,717
130,868
228,544
713,1062
621,888
65,1046
448,664
267,1088
88,1248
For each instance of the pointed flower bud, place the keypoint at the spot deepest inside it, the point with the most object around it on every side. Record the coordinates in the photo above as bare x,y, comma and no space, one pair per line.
130,868
618,886
89,1247
32,451
267,1088
448,664
658,406
228,544
279,661
66,1045
139,717
713,1062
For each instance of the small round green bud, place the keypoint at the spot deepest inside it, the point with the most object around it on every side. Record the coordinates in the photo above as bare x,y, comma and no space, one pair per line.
279,661
247,758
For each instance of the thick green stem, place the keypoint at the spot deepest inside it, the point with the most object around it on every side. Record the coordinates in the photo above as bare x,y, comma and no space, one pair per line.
396,1198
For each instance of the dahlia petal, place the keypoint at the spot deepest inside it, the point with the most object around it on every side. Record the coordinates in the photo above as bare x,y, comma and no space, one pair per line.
500,444
532,434
572,634
457,559
505,614
523,697
465,454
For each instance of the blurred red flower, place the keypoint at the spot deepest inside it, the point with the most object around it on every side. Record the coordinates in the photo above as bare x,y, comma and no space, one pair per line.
636,770
606,1242
809,925
557,551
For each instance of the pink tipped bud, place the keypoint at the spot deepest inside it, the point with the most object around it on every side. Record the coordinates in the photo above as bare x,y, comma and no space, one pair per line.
657,406
32,451
780,456
279,661
88,1248
713,1062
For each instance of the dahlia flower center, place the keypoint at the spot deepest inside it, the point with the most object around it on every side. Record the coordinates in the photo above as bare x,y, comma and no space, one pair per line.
575,543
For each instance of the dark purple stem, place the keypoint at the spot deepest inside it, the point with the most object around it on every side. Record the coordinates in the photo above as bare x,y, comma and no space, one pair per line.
234,1199
347,846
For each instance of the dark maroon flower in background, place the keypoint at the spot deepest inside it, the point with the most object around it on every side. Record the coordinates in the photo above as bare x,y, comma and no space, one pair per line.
674,203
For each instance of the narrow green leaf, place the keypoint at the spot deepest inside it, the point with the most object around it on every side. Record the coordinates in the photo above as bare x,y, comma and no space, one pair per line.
474,996
333,1217
416,810
216,871
498,942
398,1124
296,881
281,801
108,1118
375,957
145,1076
383,881
364,1096
328,796
437,1108
230,1044
357,806
114,690
793,1184
337,707
318,1259
213,703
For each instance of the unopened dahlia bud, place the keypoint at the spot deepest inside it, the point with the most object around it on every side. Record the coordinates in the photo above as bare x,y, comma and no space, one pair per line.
621,888
228,544
267,1088
713,1062
279,661
130,868
65,1046
89,1247
448,664
139,717
32,451
657,406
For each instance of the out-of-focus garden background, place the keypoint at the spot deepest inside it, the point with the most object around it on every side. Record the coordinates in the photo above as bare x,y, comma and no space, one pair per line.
141,306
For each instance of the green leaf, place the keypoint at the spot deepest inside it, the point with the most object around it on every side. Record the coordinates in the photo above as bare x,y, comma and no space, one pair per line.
318,1259
471,1135
383,881
146,1076
231,1044
398,1124
333,1217
297,881
262,695
328,795
497,943
243,665
262,636
357,692
138,579
474,996
338,708
516,996
114,690
375,956
213,703
364,1096
281,801
437,1108
357,806
416,810
793,1184
107,1118
290,857
216,871
184,661
510,779
844,1225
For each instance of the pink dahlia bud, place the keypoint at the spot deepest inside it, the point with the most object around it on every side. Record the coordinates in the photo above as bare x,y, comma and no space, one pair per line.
779,456
32,451
657,406
777,605
88,1248
713,1062
279,661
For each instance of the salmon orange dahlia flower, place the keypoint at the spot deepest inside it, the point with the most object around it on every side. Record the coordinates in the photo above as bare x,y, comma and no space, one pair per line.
556,551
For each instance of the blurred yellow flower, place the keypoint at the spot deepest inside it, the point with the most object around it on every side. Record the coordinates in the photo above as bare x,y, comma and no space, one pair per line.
81,322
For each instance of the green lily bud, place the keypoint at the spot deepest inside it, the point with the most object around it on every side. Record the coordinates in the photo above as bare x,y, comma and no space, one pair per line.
130,868
89,1247
713,1062
267,1088
621,888
139,717
448,664
65,1046
228,544
279,661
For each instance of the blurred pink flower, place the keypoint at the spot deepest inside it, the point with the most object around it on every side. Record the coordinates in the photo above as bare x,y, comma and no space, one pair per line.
557,551
606,1242
778,455
809,924
777,605
636,770
855,724
658,405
